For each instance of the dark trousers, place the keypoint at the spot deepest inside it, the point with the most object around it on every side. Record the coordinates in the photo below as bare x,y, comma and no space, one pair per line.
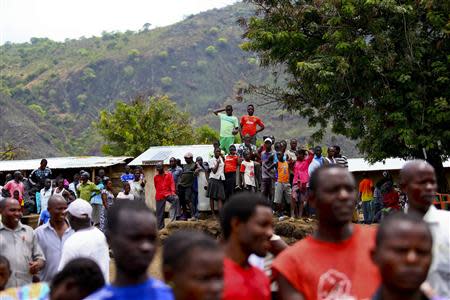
230,184
266,189
161,207
194,205
185,196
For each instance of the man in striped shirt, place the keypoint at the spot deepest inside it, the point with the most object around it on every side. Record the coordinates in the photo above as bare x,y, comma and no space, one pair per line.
339,158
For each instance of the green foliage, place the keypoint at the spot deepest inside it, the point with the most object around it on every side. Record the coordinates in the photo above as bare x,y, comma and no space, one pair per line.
128,71
184,64
166,81
133,128
83,52
378,70
252,61
213,30
201,64
163,54
211,50
88,74
133,54
38,109
222,41
82,100
206,135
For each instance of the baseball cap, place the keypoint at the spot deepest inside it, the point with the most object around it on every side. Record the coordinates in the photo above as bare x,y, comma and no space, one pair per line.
80,208
268,140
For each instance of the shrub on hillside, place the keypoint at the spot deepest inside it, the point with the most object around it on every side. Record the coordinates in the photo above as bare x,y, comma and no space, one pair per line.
88,74
201,64
222,41
213,30
38,109
163,54
211,50
128,71
166,81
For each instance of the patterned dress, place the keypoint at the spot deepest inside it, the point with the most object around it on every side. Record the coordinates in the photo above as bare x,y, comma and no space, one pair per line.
110,201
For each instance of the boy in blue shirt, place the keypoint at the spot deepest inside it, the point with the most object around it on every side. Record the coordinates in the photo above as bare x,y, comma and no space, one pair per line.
132,234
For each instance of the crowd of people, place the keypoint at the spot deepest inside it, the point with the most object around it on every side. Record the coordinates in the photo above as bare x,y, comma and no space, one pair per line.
84,223
405,257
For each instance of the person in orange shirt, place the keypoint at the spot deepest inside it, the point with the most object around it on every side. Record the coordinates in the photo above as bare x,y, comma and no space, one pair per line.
366,188
335,262
283,189
249,124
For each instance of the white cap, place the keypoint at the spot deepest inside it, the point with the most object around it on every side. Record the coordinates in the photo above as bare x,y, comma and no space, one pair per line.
80,209
268,140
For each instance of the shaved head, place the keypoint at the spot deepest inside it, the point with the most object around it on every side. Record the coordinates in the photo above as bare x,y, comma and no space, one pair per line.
55,199
410,169
418,182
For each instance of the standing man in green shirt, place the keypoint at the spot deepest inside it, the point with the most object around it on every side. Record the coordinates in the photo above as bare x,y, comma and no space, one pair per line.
86,187
229,127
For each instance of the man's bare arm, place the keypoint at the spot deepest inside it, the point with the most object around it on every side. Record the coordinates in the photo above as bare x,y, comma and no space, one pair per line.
218,111
286,290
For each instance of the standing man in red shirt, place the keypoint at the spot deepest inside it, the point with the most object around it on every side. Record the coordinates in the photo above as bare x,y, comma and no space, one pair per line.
249,124
335,262
165,191
247,227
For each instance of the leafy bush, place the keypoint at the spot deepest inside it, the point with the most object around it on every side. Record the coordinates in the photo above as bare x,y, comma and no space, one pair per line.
184,64
38,109
252,61
83,52
128,71
81,100
213,30
163,54
166,81
202,64
133,53
222,41
206,135
88,74
211,50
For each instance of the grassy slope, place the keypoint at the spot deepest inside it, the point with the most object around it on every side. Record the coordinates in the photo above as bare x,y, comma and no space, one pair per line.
71,81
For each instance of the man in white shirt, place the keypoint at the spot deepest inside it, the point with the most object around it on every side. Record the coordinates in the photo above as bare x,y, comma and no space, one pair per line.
418,181
87,241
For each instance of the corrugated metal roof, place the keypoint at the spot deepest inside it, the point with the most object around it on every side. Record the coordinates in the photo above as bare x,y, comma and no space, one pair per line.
164,153
64,162
361,165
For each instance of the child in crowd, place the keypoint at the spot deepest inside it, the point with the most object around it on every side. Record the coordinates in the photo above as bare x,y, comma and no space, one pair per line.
300,181
248,173
231,165
282,186
188,256
216,191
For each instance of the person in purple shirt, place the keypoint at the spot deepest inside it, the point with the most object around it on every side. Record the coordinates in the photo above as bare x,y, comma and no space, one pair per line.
132,234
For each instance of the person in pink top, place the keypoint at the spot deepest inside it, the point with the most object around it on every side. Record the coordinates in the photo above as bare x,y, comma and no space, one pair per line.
300,182
16,185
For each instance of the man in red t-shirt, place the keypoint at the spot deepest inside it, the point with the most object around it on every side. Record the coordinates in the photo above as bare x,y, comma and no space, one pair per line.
165,191
249,124
247,227
231,165
333,263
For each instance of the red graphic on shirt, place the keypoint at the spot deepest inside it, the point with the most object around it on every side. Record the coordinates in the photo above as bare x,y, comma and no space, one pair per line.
334,285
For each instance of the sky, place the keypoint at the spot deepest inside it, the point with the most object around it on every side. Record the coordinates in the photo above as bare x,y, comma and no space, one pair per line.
60,19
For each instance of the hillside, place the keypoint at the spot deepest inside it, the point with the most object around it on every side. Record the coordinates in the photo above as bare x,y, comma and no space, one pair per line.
60,87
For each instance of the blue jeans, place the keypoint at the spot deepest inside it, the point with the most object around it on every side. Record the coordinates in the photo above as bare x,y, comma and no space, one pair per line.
367,211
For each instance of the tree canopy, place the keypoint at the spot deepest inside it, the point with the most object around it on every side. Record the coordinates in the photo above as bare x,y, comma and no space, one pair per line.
377,71
132,128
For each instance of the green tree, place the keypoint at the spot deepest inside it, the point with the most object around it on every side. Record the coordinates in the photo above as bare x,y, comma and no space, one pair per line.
206,135
378,71
133,128
38,109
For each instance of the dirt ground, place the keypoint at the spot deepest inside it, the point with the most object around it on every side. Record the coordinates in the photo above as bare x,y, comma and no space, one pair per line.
290,231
